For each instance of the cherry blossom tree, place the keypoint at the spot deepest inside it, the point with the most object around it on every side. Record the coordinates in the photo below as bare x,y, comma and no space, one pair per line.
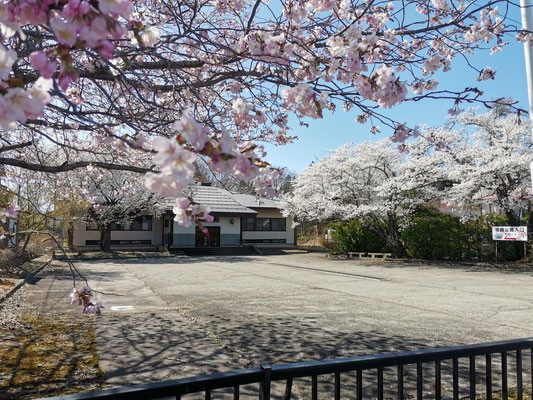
110,196
371,181
213,77
485,160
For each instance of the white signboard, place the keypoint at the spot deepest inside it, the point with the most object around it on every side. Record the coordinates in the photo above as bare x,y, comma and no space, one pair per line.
518,233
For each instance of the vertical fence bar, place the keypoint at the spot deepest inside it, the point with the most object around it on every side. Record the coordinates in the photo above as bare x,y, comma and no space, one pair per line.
488,376
419,382
288,389
472,377
207,394
400,380
519,383
264,392
380,383
337,386
438,389
236,392
359,384
455,374
314,388
504,377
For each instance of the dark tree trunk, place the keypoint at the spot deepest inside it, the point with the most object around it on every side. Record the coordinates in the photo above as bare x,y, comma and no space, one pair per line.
394,240
70,235
105,238
512,218
391,235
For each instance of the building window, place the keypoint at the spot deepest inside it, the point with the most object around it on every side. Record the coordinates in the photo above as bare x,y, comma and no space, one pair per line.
248,224
264,241
279,224
143,223
263,224
124,242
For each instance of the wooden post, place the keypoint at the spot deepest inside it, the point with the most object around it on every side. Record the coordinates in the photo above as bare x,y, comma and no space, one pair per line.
496,250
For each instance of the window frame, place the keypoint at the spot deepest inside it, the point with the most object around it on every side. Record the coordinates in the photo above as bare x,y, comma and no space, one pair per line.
115,227
246,223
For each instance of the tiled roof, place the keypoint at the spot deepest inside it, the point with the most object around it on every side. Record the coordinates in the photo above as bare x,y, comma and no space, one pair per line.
218,200
248,200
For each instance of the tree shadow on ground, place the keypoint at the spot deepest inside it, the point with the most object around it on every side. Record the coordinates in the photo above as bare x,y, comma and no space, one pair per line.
64,273
148,347
51,355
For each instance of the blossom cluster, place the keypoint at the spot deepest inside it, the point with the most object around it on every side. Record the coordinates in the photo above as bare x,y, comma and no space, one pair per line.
74,24
303,99
85,297
186,212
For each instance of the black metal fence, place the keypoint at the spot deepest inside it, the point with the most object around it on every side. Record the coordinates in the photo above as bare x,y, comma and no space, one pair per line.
451,372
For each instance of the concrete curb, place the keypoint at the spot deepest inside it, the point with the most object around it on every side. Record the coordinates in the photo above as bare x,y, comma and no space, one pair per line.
6,296
104,258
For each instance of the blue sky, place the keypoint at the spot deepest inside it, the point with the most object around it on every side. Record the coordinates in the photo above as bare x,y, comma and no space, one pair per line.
339,128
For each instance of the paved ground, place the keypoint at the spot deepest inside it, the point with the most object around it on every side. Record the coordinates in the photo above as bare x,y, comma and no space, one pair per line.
170,318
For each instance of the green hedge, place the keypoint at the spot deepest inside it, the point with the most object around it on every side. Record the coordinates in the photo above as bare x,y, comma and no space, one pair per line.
356,236
430,234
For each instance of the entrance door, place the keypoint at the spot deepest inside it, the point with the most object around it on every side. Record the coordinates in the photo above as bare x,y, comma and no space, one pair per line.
168,228
209,239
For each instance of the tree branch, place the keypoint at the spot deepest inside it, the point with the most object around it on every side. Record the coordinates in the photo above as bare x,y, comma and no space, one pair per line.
15,146
70,166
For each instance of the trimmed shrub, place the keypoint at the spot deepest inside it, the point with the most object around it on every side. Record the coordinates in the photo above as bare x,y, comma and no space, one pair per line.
357,236
433,235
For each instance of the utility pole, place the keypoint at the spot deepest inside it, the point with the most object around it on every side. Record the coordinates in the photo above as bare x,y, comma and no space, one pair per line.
527,25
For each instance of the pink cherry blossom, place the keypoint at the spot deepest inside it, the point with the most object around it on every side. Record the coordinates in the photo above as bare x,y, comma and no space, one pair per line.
7,59
486,73
45,66
195,133
64,31
75,8
150,36
116,8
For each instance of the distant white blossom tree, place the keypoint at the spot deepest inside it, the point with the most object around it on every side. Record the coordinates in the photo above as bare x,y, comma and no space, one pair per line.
485,158
371,181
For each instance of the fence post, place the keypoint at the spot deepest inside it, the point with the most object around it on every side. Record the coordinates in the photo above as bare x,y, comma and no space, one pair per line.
264,390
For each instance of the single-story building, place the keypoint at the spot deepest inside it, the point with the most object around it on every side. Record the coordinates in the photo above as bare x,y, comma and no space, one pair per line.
239,219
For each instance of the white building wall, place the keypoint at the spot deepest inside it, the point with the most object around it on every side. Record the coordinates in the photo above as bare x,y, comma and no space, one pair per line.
288,234
81,235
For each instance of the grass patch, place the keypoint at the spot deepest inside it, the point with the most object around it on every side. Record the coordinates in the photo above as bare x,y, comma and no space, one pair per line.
53,355
512,394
